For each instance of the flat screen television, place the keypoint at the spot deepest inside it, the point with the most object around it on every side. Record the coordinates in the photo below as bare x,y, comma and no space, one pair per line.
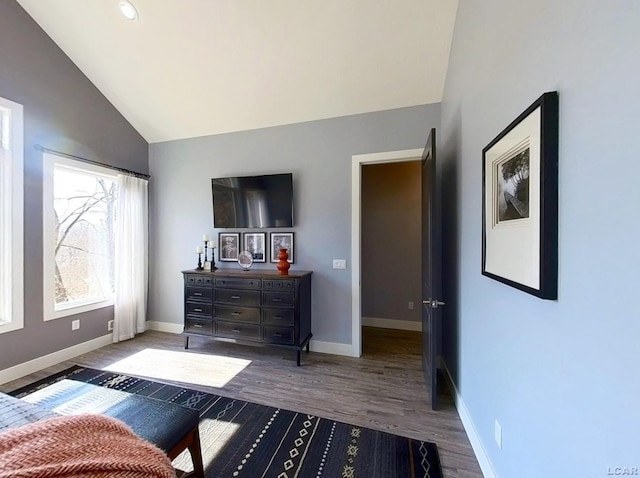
253,201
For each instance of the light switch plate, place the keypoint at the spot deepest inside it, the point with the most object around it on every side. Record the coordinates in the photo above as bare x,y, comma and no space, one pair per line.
339,263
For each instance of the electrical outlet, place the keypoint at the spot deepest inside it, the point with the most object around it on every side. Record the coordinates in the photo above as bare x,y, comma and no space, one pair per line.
498,434
75,324
339,263
410,305
110,326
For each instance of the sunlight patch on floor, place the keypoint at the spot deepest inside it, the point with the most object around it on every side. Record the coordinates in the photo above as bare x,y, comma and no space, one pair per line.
214,435
187,367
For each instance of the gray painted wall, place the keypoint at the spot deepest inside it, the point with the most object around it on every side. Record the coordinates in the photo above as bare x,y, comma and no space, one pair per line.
562,377
65,112
319,155
391,240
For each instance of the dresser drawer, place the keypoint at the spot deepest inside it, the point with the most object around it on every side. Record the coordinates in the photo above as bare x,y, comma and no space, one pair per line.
194,308
198,279
278,316
249,298
238,314
237,331
204,294
237,283
198,326
278,284
277,335
279,299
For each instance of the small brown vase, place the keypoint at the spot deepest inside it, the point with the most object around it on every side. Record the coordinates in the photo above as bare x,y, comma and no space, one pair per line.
283,264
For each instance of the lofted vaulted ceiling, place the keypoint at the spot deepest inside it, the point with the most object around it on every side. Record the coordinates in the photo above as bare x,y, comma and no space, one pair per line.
190,68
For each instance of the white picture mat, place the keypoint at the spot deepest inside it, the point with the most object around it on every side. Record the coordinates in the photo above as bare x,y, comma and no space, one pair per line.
512,249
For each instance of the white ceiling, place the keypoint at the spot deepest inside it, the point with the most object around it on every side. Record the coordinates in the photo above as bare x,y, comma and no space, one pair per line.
192,68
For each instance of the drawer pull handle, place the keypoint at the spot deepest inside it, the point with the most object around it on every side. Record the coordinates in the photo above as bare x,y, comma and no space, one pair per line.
197,293
236,331
197,310
235,313
277,335
279,317
235,296
277,299
197,326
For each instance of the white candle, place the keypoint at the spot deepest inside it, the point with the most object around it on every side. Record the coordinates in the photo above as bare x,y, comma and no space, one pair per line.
205,237
199,250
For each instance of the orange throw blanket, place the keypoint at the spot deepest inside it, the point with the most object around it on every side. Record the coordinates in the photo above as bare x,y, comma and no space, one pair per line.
80,446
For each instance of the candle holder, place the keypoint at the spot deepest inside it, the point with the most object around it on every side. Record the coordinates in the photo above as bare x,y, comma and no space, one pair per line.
205,250
199,268
213,259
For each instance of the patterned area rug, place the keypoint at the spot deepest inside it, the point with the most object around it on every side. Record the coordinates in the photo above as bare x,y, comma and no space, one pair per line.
243,439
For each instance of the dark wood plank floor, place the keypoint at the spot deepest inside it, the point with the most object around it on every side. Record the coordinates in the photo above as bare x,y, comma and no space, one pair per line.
384,389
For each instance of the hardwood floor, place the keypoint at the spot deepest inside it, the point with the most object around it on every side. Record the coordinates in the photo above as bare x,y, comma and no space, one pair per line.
384,389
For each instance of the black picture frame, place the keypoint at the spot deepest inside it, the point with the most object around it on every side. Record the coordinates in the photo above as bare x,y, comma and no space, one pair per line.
276,240
520,201
256,244
228,246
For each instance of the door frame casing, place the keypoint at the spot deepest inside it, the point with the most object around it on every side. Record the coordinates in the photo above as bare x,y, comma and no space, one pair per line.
357,161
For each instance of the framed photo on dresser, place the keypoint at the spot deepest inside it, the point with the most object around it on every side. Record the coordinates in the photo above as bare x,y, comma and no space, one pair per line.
255,243
282,240
228,246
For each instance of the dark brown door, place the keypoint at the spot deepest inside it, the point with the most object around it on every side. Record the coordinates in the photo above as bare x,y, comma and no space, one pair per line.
431,270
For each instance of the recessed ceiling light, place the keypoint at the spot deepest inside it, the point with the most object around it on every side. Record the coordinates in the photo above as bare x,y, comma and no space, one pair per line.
128,10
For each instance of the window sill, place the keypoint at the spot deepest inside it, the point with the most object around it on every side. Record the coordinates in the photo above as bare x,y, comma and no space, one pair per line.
77,309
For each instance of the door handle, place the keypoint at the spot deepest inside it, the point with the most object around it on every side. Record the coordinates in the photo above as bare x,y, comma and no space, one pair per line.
433,303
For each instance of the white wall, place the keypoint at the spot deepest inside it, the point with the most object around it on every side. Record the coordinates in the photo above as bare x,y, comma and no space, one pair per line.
319,155
562,377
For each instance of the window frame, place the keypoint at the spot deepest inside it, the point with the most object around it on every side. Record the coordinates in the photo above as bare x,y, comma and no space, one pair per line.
50,312
12,203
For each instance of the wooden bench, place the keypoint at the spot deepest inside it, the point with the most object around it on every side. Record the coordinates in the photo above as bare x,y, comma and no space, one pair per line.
171,427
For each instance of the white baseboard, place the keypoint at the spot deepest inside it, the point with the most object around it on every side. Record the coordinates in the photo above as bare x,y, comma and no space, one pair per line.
469,427
392,324
332,348
35,365
170,328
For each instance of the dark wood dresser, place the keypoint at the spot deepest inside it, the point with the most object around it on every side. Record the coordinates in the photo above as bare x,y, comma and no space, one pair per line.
258,307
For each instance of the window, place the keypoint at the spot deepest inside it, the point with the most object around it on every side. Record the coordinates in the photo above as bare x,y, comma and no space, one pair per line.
11,216
79,220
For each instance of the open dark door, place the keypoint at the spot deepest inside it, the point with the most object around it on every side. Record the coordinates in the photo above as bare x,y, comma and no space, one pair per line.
431,270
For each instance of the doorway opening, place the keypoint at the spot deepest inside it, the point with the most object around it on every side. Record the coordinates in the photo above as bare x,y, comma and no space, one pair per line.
358,162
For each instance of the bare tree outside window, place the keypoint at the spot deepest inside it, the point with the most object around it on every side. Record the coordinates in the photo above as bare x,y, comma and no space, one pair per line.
84,212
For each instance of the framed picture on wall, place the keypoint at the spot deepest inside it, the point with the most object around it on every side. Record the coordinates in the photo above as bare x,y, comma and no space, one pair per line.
228,246
255,243
280,240
520,201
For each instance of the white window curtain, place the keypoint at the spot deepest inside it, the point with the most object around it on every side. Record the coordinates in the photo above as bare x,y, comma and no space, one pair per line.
131,258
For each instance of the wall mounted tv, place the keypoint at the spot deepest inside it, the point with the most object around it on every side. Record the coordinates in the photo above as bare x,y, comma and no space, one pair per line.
253,201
